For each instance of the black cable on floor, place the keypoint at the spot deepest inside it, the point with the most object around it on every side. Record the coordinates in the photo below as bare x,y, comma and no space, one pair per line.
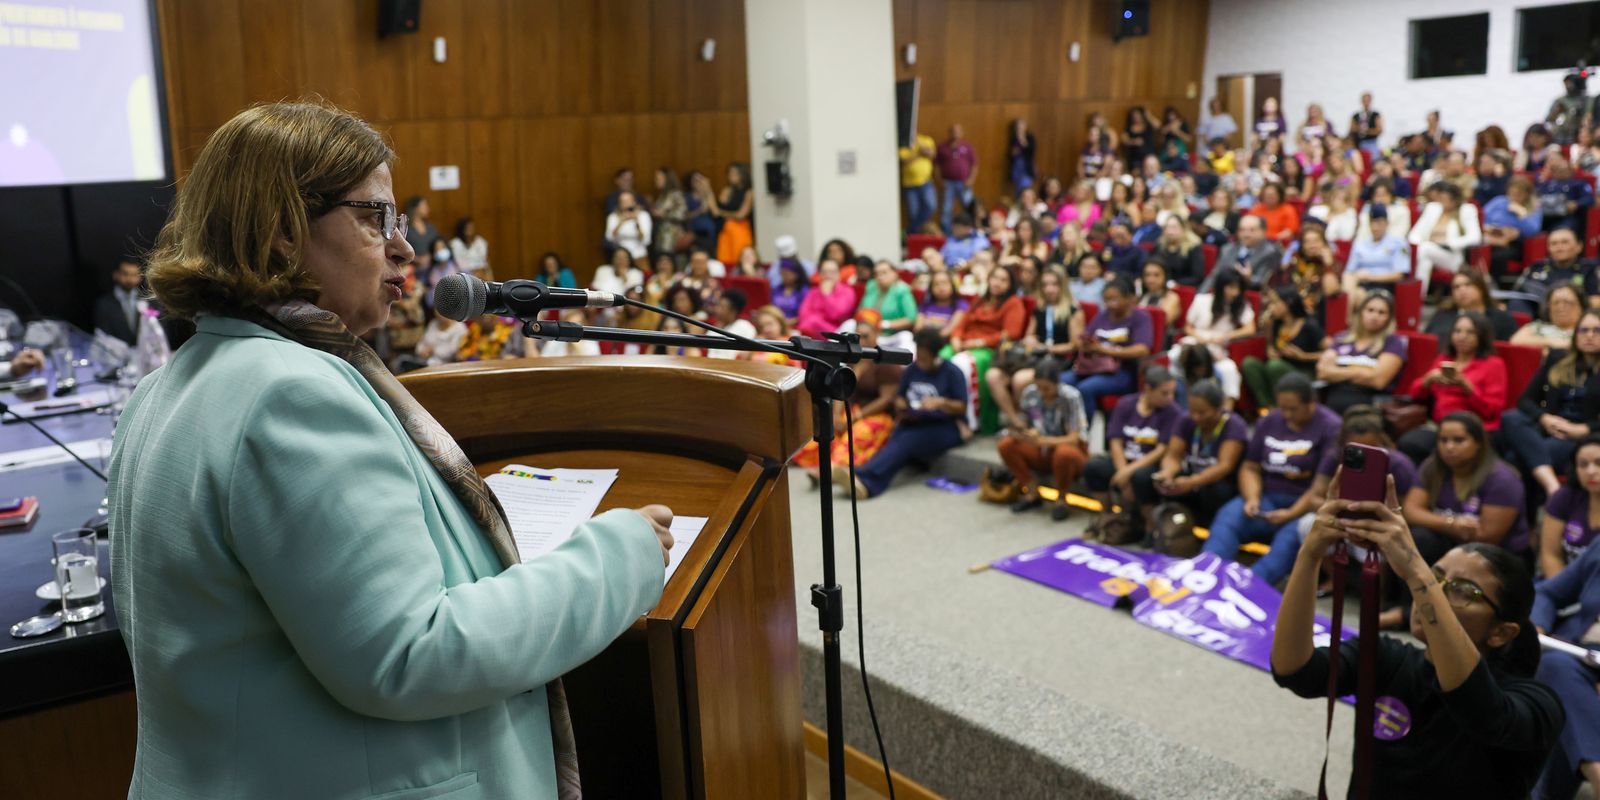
861,634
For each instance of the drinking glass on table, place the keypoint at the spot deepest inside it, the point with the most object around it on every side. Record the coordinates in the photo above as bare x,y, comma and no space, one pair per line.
78,574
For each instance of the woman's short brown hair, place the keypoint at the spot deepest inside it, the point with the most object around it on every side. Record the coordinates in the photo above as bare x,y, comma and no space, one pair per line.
268,171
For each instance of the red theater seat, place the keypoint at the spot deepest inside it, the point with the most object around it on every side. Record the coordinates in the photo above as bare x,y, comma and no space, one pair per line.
1522,362
1210,251
756,291
1337,314
1408,305
1421,350
917,242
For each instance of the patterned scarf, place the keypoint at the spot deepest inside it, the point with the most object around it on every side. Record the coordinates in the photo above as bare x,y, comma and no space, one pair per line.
316,328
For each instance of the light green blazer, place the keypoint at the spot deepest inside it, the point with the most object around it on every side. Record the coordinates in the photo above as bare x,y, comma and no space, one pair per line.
310,611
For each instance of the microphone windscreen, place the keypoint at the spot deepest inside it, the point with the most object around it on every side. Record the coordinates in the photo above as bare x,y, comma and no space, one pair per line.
460,297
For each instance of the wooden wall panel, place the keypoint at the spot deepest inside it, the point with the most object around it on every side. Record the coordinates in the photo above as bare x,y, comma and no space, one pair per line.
985,62
540,101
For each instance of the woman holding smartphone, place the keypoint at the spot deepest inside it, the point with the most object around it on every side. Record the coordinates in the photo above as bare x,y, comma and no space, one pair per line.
1466,376
1459,717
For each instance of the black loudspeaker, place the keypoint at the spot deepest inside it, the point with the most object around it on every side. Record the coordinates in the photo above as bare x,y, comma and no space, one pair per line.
1133,19
398,16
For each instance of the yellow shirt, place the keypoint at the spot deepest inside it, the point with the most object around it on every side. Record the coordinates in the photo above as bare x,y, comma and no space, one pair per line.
919,169
1223,164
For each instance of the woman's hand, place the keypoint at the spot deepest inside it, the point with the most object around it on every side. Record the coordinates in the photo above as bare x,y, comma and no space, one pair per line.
660,519
1388,532
26,362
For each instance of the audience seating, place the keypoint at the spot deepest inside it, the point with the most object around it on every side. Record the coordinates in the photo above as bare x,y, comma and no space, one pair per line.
1089,310
1341,251
917,242
1185,298
1210,253
1421,350
1522,317
1336,314
1238,351
1407,305
756,291
1030,304
1591,245
1253,297
1522,363
1158,326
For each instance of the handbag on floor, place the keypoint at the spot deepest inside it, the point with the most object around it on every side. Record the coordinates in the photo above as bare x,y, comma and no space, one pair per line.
998,485
1172,531
1114,527
1402,416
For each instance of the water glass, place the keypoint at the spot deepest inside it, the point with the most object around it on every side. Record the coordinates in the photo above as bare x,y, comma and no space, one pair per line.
78,574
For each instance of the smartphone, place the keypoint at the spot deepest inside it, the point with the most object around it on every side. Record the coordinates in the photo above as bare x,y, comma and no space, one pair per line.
1448,368
1365,476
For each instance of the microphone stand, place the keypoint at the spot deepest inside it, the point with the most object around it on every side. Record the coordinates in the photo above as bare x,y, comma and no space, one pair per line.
828,378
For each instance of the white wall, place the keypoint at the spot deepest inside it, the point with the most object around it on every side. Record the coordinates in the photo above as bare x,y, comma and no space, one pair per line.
827,66
1331,52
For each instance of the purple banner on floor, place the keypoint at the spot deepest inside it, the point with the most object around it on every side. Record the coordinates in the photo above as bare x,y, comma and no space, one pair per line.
1207,600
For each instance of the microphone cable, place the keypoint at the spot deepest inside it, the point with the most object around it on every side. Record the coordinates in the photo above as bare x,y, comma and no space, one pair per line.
5,409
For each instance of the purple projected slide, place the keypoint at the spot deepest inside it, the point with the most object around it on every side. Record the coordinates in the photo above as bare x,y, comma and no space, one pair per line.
78,100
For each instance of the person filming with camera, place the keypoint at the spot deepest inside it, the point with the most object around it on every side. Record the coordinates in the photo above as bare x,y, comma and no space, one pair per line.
1460,717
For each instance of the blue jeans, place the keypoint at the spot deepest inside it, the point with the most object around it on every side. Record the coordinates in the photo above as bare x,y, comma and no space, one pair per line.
1020,179
921,202
1094,387
1574,683
1529,446
954,192
908,443
1232,528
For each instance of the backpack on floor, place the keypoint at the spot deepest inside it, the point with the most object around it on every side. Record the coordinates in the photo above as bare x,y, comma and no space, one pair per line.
998,485
1172,531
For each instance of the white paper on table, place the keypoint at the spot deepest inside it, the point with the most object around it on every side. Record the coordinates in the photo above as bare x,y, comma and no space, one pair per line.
1583,654
89,450
52,406
544,506
684,531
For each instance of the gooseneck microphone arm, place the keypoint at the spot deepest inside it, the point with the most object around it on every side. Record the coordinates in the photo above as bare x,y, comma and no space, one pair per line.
5,409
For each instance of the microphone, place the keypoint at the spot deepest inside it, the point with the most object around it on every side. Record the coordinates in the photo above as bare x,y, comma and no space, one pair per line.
4,409
463,297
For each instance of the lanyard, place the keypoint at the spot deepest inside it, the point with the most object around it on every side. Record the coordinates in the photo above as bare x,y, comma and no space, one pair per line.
1049,325
1212,437
1366,667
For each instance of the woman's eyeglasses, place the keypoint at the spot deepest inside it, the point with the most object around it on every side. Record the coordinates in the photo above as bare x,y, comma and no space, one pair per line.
1462,593
392,223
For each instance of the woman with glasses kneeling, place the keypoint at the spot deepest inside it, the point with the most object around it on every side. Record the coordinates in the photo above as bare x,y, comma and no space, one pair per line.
1577,755
1560,405
1467,718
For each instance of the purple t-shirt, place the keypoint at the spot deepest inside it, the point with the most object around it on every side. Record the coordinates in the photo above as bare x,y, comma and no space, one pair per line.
1400,468
1141,433
940,314
1126,332
1204,447
1288,458
1346,354
1572,505
1500,488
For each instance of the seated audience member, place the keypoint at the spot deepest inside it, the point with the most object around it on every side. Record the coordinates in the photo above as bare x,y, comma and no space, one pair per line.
792,287
999,317
1508,220
871,407
943,309
1080,207
628,227
1338,213
1220,157
1398,213
1364,361
1112,344
1378,259
1054,330
1215,320
1053,435
1565,265
1558,318
674,325
1447,229
788,259
964,241
1275,483
1559,406
1026,241
748,264
1090,285
1364,425
1563,197
117,311
931,401
828,305
1215,237
471,251
1155,292
1576,758
1136,439
1194,363
440,342
1312,268
1165,204
1494,176
554,273
1027,206
1383,172
894,300
726,314
1027,269
1294,344
1451,167
1475,723
408,318
701,276
1282,221
1220,214
616,276
1203,452
1121,256
1470,293
24,362
771,325
1465,493
1070,247
1179,252
1253,256
1467,375
976,277
1569,527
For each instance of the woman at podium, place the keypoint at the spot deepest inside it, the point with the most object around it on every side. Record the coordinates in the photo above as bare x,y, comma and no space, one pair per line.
319,595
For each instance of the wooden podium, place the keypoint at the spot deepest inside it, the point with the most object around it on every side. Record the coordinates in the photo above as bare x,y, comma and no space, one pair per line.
700,698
